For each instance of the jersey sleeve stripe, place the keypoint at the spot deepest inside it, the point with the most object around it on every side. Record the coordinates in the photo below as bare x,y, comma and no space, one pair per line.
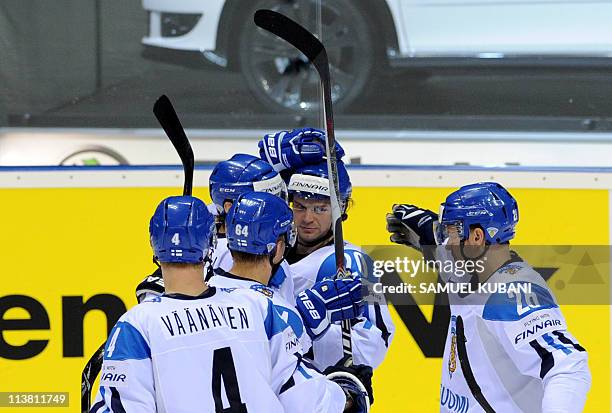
103,394
97,406
551,342
288,384
548,361
565,340
303,371
116,404
380,324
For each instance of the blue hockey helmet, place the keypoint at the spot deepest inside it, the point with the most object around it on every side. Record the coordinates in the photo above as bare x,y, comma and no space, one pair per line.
181,230
240,174
256,220
312,181
487,204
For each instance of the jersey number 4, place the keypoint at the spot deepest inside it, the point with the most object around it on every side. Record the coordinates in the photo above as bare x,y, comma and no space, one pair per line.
223,369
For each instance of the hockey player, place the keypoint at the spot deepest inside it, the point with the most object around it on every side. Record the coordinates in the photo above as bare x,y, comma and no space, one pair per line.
200,348
254,222
312,259
506,351
244,173
229,179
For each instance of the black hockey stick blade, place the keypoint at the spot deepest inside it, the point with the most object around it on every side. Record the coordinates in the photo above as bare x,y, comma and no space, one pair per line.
88,377
300,38
293,33
169,121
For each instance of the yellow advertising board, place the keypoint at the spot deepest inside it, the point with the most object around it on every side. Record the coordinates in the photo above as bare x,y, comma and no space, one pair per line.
73,250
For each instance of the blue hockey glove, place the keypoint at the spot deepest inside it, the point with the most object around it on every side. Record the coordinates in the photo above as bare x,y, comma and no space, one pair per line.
327,302
152,285
295,148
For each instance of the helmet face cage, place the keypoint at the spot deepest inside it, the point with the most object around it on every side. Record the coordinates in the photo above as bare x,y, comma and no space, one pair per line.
441,231
213,241
291,235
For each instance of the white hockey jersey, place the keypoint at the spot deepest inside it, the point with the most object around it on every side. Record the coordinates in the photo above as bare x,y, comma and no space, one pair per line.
519,349
286,309
371,334
225,350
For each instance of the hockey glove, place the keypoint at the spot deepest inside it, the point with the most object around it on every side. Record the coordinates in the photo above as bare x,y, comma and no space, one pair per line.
412,226
152,285
292,149
356,382
327,302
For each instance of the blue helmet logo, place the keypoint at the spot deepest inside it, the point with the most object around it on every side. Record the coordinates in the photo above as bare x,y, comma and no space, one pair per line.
181,230
488,205
256,221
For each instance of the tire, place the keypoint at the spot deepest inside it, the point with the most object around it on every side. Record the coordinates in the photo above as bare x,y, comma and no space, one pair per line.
281,78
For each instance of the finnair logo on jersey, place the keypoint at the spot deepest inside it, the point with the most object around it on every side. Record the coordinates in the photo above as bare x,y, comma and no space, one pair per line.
114,373
193,320
538,329
291,344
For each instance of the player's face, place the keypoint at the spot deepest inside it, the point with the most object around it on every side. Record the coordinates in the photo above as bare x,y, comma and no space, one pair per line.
472,247
312,218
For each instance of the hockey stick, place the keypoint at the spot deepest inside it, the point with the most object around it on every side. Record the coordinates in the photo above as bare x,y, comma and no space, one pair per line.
313,49
168,119
88,376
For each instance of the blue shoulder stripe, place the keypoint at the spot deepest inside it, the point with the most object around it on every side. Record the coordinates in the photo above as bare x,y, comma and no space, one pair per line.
507,307
126,343
273,323
294,320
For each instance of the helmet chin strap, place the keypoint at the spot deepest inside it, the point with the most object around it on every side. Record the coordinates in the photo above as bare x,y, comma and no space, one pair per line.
220,222
465,257
275,267
272,254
